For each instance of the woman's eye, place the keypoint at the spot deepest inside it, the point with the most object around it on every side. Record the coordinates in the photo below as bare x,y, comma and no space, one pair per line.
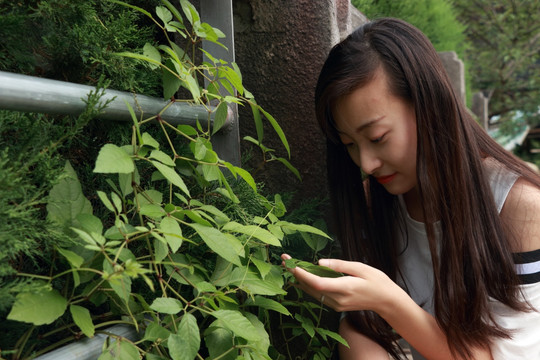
377,140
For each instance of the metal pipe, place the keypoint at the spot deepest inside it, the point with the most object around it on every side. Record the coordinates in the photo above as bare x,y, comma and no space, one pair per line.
89,348
33,94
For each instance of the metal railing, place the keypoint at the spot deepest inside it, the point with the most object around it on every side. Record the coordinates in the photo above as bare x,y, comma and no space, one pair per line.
33,94
90,348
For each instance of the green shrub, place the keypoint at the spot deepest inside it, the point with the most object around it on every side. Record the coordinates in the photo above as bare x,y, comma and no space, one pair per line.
171,239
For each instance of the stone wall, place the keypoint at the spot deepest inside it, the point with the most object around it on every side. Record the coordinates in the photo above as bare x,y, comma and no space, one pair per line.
280,46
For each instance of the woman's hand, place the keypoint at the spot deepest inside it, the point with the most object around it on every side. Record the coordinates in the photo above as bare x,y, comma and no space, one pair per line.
365,288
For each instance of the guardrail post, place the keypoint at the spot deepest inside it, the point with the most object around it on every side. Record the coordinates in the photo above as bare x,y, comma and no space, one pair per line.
220,15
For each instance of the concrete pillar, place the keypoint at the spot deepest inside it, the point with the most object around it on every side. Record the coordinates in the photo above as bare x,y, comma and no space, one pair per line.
456,70
479,107
280,48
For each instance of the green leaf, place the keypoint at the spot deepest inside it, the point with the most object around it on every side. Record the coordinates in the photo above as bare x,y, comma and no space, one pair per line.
189,333
263,344
172,176
278,131
105,200
151,210
172,53
312,268
219,342
302,228
171,81
162,157
253,231
276,230
210,33
205,286
112,159
121,284
173,10
149,141
215,241
172,233
187,130
81,317
160,250
85,236
220,118
252,283
135,121
164,14
210,172
289,166
38,308
66,200
255,109
269,304
262,266
199,149
133,7
247,177
152,53
155,332
235,78
219,215
189,10
126,182
120,349
166,305
116,201
194,215
193,86
238,324
315,242
177,347
150,197
90,223
333,335
306,323
238,78
74,259
132,55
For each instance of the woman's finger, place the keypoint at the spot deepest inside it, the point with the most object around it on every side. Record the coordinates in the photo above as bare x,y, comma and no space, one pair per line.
354,268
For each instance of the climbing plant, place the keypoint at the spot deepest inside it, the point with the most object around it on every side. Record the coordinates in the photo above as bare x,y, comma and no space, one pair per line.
169,252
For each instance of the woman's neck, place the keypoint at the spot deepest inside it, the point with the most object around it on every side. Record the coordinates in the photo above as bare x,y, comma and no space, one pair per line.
414,208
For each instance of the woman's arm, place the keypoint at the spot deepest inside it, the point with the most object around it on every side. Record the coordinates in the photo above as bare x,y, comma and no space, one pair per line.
370,289
521,216
360,346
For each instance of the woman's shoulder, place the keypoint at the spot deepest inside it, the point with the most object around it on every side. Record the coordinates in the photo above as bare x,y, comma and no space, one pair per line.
521,213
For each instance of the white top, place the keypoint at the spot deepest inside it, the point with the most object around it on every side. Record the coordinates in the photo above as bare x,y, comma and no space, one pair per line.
416,267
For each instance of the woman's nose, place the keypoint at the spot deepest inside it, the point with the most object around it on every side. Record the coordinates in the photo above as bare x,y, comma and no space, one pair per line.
369,161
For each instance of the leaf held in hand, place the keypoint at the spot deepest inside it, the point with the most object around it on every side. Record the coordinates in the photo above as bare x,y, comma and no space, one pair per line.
318,270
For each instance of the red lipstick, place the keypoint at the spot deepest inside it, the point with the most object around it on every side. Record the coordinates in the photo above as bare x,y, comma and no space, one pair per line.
386,179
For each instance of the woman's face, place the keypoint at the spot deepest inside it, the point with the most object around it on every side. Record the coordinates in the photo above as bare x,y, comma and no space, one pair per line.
379,132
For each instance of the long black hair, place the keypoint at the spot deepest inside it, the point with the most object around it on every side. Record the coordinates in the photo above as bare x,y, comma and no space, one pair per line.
451,182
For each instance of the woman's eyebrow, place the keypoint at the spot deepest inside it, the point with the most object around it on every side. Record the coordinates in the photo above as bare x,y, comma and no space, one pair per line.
363,126
368,124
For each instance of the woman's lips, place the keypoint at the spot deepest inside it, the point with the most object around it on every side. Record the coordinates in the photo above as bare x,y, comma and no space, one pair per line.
386,179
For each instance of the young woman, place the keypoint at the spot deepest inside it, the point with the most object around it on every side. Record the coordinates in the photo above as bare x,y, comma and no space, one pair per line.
439,225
